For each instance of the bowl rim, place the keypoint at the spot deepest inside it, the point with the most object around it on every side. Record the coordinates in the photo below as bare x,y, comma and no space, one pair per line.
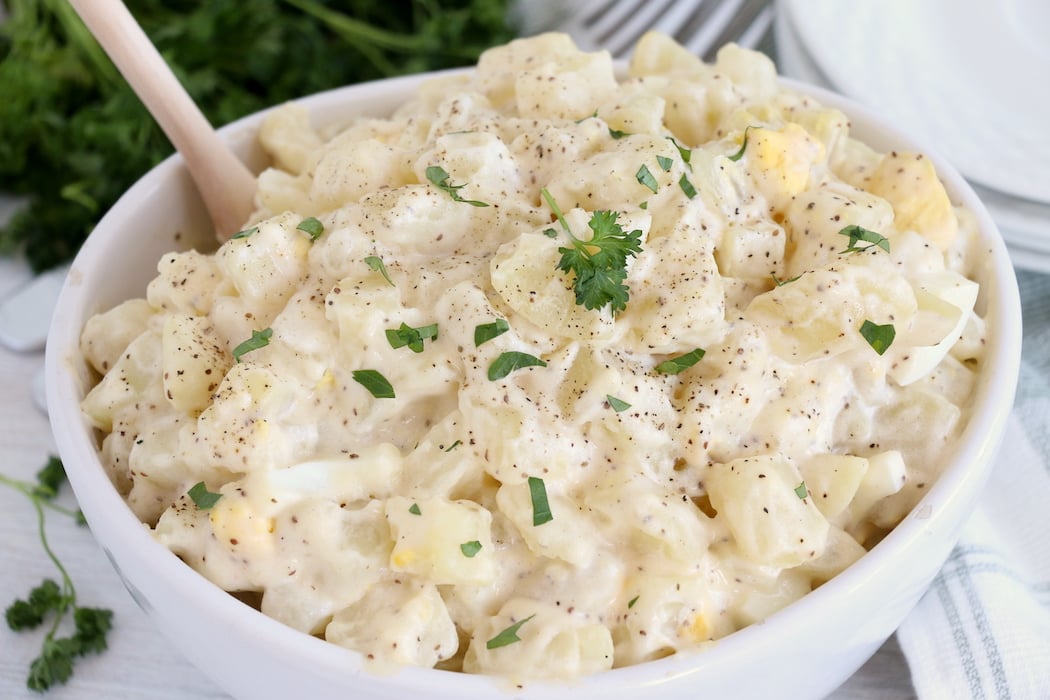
946,501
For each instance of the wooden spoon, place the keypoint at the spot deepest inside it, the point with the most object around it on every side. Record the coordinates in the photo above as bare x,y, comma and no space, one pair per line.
224,182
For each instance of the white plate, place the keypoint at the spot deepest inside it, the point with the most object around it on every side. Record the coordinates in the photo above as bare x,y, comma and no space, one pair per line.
1025,225
967,76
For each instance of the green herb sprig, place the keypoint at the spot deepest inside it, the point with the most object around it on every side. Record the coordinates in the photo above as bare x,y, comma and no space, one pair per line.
598,265
58,655
440,179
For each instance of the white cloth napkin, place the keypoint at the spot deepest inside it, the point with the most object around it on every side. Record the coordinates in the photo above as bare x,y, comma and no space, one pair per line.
983,629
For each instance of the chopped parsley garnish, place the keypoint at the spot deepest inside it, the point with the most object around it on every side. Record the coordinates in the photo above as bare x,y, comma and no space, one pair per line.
599,265
801,491
507,636
682,362
202,497
454,445
879,337
632,601
858,234
375,382
376,264
487,331
664,162
412,338
245,233
684,152
439,178
687,186
617,404
511,360
550,233
414,509
471,548
311,226
541,509
259,339
740,154
57,657
645,177
617,134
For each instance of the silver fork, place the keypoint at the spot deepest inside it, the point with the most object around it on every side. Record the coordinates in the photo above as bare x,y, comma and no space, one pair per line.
702,26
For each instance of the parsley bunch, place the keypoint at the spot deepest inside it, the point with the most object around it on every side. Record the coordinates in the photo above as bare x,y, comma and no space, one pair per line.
74,137
57,656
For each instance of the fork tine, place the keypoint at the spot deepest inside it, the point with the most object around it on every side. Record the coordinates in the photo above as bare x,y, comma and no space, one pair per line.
749,26
618,32
707,33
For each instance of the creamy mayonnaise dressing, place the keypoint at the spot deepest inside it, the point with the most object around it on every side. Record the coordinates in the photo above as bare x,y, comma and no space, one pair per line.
616,497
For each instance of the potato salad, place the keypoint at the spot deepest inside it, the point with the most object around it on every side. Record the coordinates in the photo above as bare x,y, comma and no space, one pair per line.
563,366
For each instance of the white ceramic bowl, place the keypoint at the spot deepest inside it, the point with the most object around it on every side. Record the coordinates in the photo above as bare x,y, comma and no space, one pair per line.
805,650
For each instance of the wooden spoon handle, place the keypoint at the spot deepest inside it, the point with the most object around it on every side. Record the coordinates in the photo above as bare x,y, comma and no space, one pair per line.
225,183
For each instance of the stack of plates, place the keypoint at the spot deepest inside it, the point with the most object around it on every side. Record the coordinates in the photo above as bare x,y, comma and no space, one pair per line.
966,77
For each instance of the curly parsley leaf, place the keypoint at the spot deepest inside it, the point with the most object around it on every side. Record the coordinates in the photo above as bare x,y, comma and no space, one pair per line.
598,265
52,599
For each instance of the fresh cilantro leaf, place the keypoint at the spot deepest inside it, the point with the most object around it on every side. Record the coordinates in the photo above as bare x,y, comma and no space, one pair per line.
487,331
682,362
312,227
508,635
407,336
470,549
439,178
645,177
879,337
377,265
617,404
599,265
859,234
511,360
541,510
376,383
259,339
202,497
